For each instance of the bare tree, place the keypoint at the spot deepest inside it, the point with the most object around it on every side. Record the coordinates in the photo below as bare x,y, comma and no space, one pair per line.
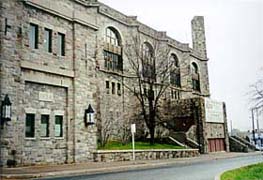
150,68
257,94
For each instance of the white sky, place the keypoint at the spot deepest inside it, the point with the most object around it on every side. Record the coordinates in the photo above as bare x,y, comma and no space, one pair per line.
234,34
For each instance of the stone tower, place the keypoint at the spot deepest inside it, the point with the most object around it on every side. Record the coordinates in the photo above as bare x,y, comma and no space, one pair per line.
198,35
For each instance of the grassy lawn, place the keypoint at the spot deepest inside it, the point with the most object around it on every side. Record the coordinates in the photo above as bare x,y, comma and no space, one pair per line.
138,145
252,172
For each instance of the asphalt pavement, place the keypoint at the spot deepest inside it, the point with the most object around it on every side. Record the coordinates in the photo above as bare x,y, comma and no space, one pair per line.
204,170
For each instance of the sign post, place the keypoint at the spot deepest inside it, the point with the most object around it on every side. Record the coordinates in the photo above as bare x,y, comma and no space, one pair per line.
133,131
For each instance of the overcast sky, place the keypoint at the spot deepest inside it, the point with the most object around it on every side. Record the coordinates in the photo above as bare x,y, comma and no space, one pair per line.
234,34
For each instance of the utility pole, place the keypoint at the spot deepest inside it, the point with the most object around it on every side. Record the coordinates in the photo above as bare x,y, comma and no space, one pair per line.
231,126
253,126
257,120
258,129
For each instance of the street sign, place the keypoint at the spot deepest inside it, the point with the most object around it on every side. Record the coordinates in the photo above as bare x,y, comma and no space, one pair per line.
133,131
133,128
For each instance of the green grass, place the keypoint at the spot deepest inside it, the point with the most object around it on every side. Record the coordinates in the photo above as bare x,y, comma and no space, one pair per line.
138,145
252,172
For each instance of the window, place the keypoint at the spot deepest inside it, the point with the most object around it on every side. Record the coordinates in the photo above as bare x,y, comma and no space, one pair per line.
30,126
113,88
108,87
58,126
44,128
148,64
175,94
61,44
112,36
119,89
112,61
175,78
33,36
195,77
112,50
48,40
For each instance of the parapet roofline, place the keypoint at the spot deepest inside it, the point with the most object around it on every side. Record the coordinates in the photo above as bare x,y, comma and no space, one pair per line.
133,21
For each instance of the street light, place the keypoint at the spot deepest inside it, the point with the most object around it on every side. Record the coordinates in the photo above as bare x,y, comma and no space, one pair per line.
89,116
6,110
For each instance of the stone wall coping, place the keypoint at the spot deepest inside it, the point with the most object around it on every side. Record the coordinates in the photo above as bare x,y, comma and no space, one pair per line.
148,150
126,20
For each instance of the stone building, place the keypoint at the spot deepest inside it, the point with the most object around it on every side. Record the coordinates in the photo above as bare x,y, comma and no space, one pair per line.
59,57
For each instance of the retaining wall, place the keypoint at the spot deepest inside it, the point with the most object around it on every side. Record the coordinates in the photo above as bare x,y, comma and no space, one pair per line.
126,155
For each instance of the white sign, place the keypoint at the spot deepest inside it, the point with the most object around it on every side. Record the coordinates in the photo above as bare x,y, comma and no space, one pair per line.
44,96
214,111
133,128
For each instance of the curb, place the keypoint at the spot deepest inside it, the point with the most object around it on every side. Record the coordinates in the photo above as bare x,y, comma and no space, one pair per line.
87,171
218,176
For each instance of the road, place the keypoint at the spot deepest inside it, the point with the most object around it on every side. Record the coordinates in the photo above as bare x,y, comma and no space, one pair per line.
198,171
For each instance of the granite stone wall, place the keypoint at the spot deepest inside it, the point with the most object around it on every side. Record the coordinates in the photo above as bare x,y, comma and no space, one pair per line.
126,155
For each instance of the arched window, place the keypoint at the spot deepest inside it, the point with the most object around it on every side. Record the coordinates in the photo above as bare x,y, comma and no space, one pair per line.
175,78
112,36
148,64
112,50
195,77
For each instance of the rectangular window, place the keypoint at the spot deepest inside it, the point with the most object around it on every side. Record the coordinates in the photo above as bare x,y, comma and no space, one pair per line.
48,40
113,88
44,126
30,125
108,87
33,36
112,61
119,89
196,84
61,44
58,126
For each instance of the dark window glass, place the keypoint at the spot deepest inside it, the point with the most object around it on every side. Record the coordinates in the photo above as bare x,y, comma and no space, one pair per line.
175,79
44,126
48,40
107,84
33,36
58,126
108,87
148,64
112,61
113,87
196,84
195,77
30,125
119,89
61,44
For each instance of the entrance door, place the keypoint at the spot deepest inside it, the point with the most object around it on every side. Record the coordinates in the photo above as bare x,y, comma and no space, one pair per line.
215,145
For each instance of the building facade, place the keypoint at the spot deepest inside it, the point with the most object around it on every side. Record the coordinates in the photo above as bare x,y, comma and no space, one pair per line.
59,57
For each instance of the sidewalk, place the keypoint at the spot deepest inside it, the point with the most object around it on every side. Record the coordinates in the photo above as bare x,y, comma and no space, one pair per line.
99,167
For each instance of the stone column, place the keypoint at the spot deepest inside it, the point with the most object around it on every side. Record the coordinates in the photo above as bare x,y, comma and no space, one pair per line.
198,35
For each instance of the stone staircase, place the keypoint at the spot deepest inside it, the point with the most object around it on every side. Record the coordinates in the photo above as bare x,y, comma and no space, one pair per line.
181,139
238,144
